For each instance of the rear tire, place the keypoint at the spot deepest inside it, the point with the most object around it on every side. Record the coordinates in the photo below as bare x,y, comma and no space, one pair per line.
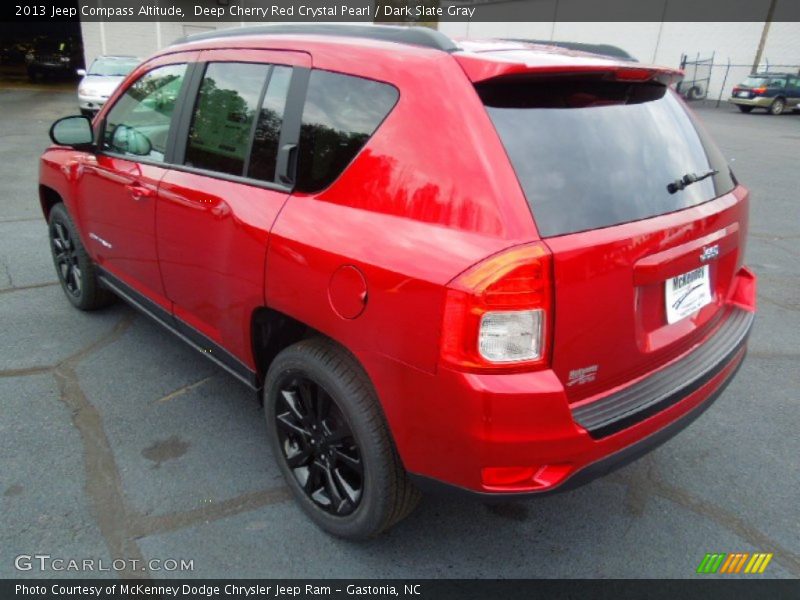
777,107
76,271
745,109
330,439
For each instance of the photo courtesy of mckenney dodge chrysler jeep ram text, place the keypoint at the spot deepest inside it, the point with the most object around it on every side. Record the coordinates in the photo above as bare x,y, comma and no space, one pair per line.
495,267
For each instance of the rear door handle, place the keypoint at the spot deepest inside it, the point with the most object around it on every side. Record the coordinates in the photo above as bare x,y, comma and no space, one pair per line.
139,192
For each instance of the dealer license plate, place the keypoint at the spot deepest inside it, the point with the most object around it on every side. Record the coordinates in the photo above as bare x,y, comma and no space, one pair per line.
687,293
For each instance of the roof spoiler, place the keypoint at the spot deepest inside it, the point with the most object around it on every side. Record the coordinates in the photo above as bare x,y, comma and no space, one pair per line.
600,49
478,69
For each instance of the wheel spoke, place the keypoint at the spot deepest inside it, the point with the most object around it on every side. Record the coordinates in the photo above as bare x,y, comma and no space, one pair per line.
307,391
351,462
338,436
63,236
285,422
292,401
322,405
349,491
313,481
76,277
331,486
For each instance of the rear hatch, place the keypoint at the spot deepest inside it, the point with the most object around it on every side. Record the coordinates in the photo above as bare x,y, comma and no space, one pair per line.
751,87
639,208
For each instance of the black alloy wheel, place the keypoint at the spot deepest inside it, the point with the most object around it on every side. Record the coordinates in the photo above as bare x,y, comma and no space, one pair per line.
318,445
331,441
65,255
75,269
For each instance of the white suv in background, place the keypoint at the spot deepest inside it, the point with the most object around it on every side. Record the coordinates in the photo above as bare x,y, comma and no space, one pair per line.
100,81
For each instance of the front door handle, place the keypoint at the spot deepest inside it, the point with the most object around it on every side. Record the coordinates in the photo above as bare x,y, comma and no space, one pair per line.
139,192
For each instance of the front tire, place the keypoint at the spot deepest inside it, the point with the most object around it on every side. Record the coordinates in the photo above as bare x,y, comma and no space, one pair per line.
331,441
777,107
76,271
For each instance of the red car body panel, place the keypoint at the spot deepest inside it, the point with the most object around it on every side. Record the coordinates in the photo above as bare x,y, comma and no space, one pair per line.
409,216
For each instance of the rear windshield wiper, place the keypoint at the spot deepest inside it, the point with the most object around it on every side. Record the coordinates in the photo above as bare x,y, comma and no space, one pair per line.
688,180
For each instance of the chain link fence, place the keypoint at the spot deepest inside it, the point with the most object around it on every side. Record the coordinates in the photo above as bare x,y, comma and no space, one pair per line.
707,78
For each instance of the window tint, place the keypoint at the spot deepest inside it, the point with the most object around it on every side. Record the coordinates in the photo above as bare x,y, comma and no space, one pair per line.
340,114
138,123
268,127
594,154
219,135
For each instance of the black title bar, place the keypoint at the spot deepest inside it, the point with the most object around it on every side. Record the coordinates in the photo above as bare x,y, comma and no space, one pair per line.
403,11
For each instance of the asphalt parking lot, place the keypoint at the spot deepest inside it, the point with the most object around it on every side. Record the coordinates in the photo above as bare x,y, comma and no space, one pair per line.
119,442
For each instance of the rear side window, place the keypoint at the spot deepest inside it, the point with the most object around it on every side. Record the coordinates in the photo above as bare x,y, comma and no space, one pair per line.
595,153
340,114
219,136
268,126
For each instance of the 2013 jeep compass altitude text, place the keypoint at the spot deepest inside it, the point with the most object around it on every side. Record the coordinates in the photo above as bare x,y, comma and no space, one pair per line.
493,266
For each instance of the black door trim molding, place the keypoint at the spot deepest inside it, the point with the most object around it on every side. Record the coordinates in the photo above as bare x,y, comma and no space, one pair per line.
181,329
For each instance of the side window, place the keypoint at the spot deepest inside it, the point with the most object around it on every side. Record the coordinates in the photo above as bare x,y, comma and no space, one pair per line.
138,124
219,135
340,114
268,126
777,83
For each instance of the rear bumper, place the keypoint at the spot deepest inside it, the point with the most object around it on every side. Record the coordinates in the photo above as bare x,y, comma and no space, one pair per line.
761,101
510,434
600,467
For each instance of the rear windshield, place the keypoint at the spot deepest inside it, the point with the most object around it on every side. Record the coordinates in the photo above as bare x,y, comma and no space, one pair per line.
591,153
755,81
112,67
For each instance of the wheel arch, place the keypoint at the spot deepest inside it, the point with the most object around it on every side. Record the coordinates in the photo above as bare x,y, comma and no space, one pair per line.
271,331
48,198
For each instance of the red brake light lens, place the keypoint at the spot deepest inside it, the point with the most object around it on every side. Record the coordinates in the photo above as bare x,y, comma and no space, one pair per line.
759,90
497,314
633,74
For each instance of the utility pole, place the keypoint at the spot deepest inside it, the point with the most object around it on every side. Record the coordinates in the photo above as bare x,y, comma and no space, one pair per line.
764,35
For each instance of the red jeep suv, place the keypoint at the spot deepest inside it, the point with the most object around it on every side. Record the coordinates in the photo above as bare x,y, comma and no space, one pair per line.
493,266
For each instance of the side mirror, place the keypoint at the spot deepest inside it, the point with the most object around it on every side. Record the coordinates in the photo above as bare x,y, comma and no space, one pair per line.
73,131
131,141
81,72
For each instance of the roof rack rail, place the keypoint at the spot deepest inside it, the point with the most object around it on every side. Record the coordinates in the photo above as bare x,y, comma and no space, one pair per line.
602,49
414,36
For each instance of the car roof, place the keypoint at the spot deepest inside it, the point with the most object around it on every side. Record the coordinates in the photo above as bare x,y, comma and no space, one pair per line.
414,36
773,74
480,59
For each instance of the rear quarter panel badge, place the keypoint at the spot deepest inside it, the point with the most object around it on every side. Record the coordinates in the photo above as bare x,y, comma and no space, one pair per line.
582,375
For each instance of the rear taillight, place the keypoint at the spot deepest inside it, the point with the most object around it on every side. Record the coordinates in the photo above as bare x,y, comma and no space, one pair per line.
759,90
498,313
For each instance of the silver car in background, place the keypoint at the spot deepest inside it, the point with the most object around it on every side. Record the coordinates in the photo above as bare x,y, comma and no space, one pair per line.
101,79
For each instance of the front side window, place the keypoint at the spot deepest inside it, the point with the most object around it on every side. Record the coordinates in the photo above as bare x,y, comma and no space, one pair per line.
340,114
138,124
219,136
